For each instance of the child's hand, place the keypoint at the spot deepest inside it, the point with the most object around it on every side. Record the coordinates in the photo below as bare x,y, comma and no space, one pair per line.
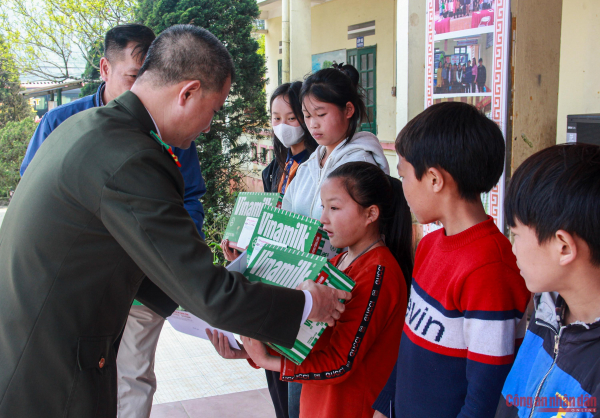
255,349
221,344
259,355
229,253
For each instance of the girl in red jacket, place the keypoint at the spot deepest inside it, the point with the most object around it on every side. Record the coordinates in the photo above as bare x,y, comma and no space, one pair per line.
364,210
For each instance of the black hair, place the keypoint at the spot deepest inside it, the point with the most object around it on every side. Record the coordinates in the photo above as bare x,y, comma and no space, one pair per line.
337,85
290,92
119,37
368,185
187,52
558,188
458,138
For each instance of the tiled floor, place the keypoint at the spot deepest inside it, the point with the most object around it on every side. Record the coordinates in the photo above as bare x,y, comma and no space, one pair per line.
194,381
250,404
189,368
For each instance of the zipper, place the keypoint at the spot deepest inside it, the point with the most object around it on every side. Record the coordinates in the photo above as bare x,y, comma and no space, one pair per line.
556,347
321,170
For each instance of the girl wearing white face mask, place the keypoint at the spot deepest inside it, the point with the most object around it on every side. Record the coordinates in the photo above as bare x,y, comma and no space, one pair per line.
292,145
292,142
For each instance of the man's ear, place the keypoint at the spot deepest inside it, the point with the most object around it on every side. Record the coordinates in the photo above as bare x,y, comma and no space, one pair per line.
189,89
566,246
104,68
436,179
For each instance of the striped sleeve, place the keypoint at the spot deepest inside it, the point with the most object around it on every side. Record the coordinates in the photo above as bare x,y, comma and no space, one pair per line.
493,301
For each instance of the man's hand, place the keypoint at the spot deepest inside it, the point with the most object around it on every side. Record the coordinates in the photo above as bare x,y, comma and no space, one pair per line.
326,305
229,253
378,414
221,344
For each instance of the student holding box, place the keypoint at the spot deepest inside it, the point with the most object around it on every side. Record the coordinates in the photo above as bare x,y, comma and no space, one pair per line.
364,210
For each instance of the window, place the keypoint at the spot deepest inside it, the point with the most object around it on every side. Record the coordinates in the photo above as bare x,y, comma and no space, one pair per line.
264,155
365,61
279,72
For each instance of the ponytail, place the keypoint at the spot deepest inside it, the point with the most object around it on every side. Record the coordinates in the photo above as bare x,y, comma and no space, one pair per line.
368,185
338,85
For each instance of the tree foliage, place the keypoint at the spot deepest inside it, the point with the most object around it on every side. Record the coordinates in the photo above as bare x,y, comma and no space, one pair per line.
14,137
13,106
221,151
92,72
47,35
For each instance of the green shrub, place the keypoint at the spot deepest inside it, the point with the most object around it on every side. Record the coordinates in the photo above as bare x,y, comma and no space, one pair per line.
14,138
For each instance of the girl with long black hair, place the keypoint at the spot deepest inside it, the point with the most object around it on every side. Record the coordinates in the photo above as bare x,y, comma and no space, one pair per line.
364,210
292,145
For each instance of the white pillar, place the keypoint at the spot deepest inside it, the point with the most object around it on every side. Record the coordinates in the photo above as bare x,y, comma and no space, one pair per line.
285,41
402,60
410,60
300,39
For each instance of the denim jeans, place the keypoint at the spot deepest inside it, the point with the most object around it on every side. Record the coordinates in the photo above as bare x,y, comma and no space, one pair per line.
294,391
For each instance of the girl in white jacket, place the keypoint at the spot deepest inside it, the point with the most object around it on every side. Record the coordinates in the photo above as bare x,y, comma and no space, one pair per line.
333,109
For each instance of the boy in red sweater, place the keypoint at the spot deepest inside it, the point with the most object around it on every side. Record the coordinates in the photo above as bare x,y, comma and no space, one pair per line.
465,314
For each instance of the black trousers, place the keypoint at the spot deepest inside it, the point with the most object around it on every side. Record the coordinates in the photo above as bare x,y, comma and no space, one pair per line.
279,393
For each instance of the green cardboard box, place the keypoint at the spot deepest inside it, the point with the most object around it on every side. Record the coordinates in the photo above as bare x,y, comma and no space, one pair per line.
288,267
292,230
244,216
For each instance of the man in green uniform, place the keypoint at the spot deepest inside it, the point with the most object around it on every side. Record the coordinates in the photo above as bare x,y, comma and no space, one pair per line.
100,208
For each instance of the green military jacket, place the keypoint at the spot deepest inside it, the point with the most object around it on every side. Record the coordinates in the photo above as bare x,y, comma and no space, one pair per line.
99,208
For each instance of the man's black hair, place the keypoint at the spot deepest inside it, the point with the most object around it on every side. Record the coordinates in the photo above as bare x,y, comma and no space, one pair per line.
187,52
558,188
119,37
458,138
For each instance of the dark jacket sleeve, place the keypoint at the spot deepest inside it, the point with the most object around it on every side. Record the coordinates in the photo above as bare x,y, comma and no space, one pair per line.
152,297
385,400
195,187
149,294
269,177
141,206
42,131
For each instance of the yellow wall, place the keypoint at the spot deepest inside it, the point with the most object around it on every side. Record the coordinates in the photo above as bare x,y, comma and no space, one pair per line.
330,23
579,80
272,54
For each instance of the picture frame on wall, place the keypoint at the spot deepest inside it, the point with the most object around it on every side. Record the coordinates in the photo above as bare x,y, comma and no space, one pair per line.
463,32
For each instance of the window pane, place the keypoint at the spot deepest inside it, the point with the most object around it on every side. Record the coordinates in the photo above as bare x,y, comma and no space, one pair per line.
370,97
363,81
363,62
371,112
371,61
371,76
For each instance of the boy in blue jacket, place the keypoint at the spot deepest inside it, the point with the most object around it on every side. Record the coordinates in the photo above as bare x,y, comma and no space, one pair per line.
552,207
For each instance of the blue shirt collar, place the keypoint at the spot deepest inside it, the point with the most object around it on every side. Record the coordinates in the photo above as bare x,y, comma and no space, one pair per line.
99,93
301,156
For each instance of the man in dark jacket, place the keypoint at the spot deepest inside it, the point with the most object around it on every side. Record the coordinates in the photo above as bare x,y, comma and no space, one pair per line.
101,207
125,48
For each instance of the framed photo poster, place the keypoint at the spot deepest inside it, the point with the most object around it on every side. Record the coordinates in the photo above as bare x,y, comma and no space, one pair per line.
466,60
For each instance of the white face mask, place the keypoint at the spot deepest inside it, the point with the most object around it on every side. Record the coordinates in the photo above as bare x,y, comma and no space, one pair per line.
288,135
